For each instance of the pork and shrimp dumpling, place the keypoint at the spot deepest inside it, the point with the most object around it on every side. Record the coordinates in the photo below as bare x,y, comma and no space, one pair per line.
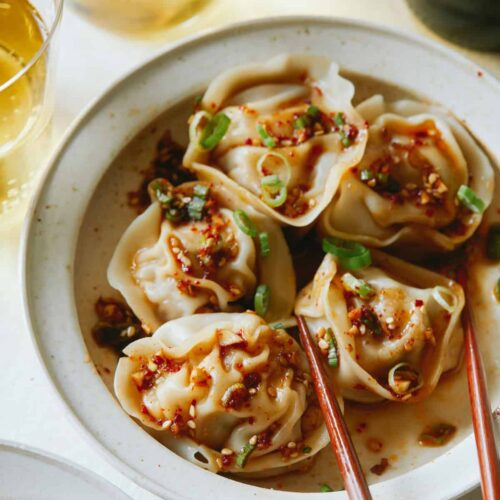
281,133
423,180
225,391
196,250
388,331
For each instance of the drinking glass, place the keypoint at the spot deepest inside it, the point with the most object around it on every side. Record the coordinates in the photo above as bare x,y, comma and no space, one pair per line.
138,17
27,56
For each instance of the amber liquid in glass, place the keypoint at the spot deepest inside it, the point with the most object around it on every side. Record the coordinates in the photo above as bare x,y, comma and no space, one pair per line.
22,34
138,16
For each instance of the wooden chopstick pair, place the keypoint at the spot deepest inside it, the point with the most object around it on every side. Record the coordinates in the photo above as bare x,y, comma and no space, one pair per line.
341,442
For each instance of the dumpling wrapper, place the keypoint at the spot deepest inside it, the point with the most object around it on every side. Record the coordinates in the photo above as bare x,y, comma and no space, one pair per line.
417,139
147,272
196,360
404,293
272,94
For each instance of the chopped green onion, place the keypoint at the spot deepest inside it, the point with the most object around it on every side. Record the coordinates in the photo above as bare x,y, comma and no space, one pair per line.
496,290
313,111
493,243
306,449
366,175
351,255
333,356
278,326
244,223
261,299
265,249
268,141
201,191
271,181
195,123
243,456
324,488
198,99
214,131
173,214
285,171
469,199
357,286
275,201
163,197
339,119
346,142
302,122
195,208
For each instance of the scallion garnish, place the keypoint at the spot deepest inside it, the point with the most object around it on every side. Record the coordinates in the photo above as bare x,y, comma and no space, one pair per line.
301,122
339,119
306,449
173,214
469,199
201,190
324,488
277,326
496,290
243,456
214,131
313,111
274,192
244,223
493,243
195,208
265,249
357,286
346,142
268,141
261,299
351,255
333,356
366,175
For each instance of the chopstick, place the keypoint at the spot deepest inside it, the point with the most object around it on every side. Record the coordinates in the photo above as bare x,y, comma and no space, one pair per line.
340,439
480,406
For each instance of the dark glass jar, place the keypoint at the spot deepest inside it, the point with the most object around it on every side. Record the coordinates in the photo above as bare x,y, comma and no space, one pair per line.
471,23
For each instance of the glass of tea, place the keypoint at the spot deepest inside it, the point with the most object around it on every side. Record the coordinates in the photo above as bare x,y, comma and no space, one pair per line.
27,55
138,17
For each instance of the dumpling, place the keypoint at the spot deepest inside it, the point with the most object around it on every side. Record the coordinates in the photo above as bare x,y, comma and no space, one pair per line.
394,327
423,181
281,133
194,250
228,392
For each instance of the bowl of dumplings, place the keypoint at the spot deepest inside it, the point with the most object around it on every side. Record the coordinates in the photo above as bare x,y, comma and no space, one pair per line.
300,166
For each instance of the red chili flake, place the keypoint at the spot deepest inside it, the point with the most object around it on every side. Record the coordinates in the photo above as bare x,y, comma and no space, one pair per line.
251,420
144,410
227,460
249,141
360,387
479,73
238,396
361,427
354,170
374,445
381,467
264,439
252,380
419,303
225,349
429,212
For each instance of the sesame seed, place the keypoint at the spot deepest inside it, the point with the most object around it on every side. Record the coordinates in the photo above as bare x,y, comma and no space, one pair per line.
295,454
323,345
321,332
312,202
152,366
227,451
130,331
191,424
252,390
192,411
176,250
253,440
292,444
362,329
166,424
433,178
390,319
372,182
219,462
353,331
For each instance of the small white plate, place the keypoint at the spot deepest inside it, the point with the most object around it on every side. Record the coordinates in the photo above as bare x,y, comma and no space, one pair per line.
58,232
26,473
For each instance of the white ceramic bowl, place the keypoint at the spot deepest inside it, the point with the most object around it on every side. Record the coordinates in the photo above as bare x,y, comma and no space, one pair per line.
53,236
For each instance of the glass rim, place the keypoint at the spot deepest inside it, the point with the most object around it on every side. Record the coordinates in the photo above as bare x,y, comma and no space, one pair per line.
50,34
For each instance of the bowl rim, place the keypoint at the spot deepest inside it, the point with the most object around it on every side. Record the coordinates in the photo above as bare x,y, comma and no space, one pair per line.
93,107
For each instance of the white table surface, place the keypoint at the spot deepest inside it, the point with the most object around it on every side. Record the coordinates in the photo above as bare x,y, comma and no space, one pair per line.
90,60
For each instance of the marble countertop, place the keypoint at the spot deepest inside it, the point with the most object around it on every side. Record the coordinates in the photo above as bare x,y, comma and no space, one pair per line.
91,59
